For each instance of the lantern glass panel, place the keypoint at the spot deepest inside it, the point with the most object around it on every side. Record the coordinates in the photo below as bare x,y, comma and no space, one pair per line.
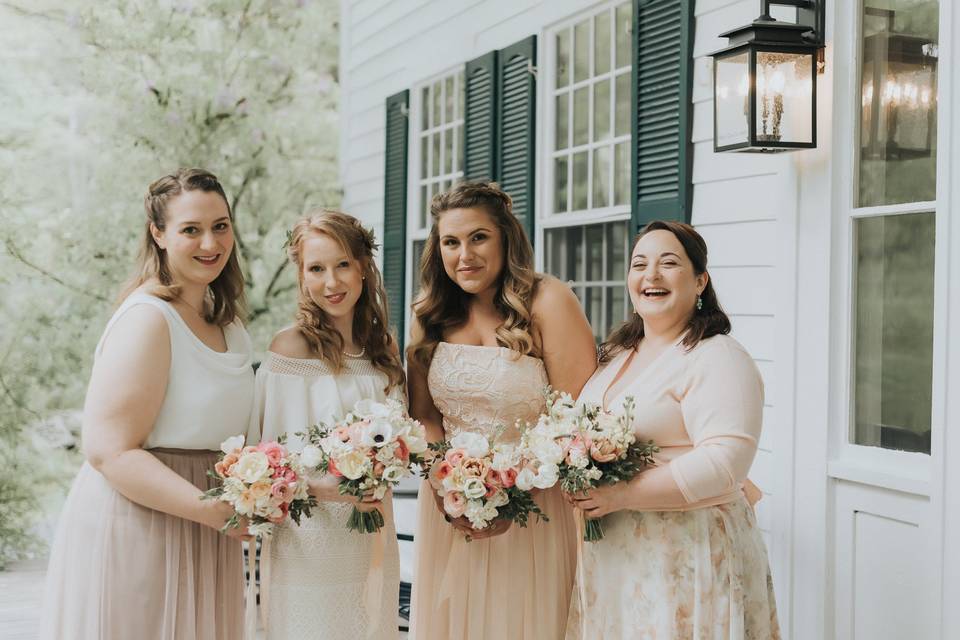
898,98
784,97
731,100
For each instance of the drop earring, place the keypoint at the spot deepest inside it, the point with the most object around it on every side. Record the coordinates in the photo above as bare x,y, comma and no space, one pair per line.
699,303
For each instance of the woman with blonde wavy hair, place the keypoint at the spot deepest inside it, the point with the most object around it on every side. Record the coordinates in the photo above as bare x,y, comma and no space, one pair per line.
489,334
320,579
137,553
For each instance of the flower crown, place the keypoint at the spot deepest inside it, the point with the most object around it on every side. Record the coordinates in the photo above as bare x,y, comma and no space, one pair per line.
369,239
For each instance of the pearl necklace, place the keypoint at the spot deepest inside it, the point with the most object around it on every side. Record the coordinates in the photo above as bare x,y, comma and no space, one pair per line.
363,350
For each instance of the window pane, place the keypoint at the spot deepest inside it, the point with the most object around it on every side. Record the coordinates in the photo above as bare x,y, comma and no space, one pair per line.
581,51
424,208
460,93
894,331
564,257
457,141
448,99
579,181
617,251
898,117
435,98
601,177
601,111
616,306
783,105
623,105
563,121
560,185
581,116
435,165
594,252
563,58
601,43
425,156
623,30
415,253
621,173
425,108
593,305
448,151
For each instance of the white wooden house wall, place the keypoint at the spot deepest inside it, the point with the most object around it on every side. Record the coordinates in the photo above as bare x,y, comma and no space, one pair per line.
769,222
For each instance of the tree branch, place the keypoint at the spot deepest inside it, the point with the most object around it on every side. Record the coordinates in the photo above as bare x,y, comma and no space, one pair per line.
15,252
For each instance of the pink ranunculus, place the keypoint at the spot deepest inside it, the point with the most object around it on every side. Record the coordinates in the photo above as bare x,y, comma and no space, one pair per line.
493,478
508,478
603,451
454,456
274,452
454,504
288,475
332,469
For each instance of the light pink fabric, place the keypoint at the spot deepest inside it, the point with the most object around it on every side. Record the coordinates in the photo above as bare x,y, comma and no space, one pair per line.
702,407
516,585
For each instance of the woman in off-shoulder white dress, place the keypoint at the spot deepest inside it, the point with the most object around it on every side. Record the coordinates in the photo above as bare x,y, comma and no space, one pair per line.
319,579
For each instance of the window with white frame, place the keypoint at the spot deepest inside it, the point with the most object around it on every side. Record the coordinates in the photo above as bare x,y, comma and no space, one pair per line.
893,224
437,158
587,206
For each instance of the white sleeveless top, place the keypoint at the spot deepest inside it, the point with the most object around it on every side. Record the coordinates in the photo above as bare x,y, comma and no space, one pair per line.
209,395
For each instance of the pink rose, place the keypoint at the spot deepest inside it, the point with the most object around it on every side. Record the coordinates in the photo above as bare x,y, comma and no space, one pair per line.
288,475
402,452
579,445
454,504
603,451
332,469
454,456
501,479
438,472
282,491
275,452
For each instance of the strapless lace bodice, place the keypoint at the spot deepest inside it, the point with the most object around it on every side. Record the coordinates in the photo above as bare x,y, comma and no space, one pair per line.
479,388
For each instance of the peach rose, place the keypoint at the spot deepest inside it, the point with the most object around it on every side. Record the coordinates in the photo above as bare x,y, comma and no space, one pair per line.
332,469
474,467
604,451
259,490
273,451
282,490
454,504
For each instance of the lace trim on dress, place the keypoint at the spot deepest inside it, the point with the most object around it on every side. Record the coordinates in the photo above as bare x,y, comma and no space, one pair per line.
311,367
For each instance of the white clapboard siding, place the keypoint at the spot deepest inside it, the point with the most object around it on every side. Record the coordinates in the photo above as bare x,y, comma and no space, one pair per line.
746,290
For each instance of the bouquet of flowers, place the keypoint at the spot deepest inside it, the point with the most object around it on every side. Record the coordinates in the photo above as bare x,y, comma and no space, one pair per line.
590,447
370,450
483,480
263,483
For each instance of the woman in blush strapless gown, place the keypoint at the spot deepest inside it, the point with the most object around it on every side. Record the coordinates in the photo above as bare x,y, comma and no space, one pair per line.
489,335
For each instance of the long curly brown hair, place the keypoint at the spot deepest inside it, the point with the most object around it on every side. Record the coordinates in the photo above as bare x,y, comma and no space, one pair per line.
225,293
443,305
706,322
370,321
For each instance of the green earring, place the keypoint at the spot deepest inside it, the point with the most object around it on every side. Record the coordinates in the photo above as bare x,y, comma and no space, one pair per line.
699,303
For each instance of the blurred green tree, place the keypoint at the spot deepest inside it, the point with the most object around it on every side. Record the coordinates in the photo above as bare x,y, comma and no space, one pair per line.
97,100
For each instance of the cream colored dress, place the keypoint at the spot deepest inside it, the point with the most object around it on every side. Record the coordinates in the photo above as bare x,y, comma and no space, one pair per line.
698,572
515,585
121,570
314,576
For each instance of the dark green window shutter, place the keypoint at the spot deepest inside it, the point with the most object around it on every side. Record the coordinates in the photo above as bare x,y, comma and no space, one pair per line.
662,85
395,210
480,126
516,127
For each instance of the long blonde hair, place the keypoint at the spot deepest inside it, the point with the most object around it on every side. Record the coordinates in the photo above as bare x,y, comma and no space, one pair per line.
370,319
443,305
226,291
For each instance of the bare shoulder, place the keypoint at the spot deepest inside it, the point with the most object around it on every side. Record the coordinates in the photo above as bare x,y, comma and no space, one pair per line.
553,295
290,343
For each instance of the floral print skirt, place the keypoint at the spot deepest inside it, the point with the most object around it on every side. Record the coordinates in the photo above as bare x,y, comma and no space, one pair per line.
679,575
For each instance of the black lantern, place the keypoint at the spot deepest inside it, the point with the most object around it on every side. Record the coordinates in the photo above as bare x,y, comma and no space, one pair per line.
765,82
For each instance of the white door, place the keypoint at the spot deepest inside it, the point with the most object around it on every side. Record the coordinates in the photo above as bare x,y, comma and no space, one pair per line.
888,333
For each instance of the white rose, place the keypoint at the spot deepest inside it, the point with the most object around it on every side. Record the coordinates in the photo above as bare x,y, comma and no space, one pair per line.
394,473
480,514
380,491
474,488
498,499
547,450
547,476
416,438
376,434
353,464
311,456
505,457
251,467
371,408
525,479
231,444
473,444
260,529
